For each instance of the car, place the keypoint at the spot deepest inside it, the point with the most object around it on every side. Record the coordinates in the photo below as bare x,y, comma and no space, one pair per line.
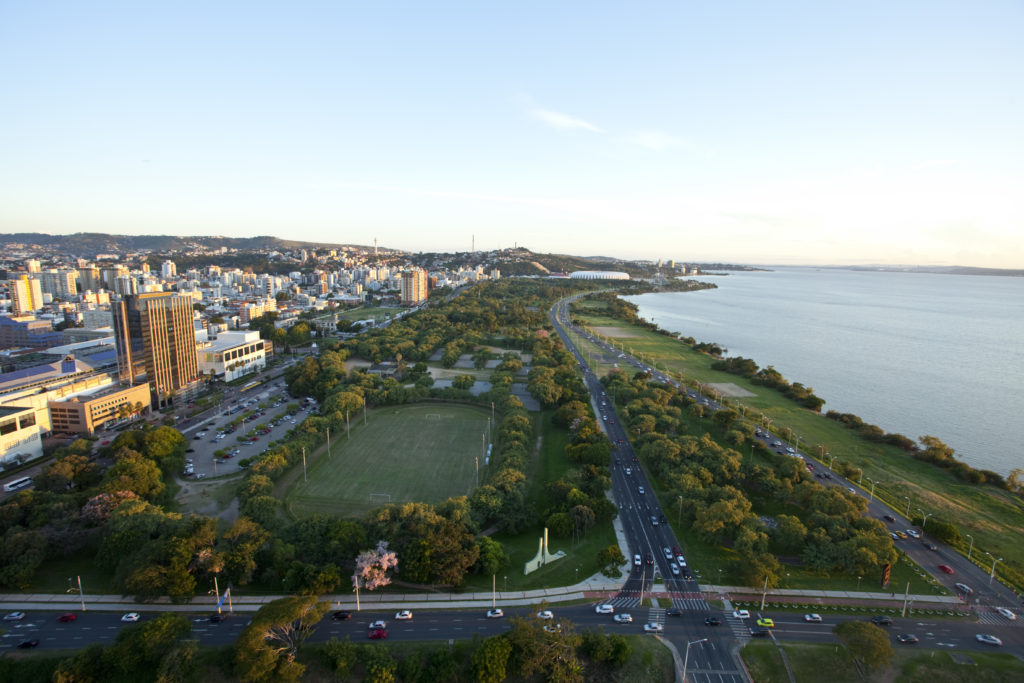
908,638
623,618
190,450
914,533
604,609
545,614
946,568
649,559
1007,613
760,632
964,588
629,470
889,518
901,534
404,615
668,552
654,520
682,561
640,490
881,620
131,616
67,616
341,615
552,628
674,612
988,639
675,570
378,634
653,627
930,546
380,623
636,560
495,613
216,618
740,614
812,618
28,644
14,616
200,475
766,622
712,621
851,490
892,534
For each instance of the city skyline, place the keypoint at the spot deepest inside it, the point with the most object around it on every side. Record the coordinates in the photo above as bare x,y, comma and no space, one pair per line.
829,134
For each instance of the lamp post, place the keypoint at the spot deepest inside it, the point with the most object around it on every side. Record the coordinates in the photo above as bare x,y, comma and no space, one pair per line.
686,659
679,521
831,458
924,516
995,559
907,513
972,546
873,482
797,447
764,593
858,583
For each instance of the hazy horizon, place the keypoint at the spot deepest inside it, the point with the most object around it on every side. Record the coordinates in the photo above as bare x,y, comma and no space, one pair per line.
781,133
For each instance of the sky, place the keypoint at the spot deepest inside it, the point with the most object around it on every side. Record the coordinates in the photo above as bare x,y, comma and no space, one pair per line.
748,132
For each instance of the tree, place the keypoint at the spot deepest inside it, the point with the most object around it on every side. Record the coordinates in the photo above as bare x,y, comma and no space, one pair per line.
866,643
490,660
611,559
266,648
463,382
492,555
372,567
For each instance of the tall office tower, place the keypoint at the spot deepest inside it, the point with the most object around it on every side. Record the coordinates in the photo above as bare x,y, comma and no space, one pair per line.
169,270
414,286
32,265
156,339
26,295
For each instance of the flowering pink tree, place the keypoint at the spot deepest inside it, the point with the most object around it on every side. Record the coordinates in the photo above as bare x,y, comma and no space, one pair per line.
372,567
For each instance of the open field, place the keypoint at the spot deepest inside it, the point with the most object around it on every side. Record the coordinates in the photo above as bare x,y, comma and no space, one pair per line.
421,452
995,518
369,313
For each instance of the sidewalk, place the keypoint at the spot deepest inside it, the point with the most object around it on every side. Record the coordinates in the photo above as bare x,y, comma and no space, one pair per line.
594,589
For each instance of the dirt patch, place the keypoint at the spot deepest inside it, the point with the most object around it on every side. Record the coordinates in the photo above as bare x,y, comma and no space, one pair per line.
201,498
616,332
730,390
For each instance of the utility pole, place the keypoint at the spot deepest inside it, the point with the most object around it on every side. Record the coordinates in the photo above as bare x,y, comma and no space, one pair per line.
906,596
764,593
216,592
304,464
81,595
328,443
348,428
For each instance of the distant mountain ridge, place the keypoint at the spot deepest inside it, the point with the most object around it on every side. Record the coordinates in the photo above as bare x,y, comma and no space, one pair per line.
81,243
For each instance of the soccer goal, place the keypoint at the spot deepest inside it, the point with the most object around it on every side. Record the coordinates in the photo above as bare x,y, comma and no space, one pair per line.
433,416
380,498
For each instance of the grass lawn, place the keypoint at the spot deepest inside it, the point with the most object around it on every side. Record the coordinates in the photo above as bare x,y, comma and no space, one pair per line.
993,517
424,453
52,577
809,661
764,662
939,667
369,313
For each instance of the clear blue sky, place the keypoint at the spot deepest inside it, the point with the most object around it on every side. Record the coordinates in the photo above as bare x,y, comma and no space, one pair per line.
758,132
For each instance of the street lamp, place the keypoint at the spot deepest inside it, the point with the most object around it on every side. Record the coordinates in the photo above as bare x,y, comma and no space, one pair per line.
924,516
972,546
907,513
994,561
679,522
858,583
797,448
686,659
873,482
830,459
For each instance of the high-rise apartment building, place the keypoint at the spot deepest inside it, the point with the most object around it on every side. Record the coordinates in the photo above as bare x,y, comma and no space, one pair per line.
156,340
169,270
61,283
26,295
414,286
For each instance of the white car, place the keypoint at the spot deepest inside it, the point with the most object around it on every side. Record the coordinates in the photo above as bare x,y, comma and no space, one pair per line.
1007,613
14,616
552,628
495,613
813,618
653,628
375,625
741,614
131,616
624,618
988,639
914,533
403,615
545,614
605,609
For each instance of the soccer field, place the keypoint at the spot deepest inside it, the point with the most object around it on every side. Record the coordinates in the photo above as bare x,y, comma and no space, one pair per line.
422,453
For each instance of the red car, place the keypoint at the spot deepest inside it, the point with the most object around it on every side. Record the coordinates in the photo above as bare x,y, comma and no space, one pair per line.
67,616
378,634
946,568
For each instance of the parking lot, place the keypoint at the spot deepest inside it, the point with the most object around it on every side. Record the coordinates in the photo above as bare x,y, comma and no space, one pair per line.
265,409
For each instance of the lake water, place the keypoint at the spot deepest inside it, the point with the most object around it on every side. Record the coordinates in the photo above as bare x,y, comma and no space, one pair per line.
913,353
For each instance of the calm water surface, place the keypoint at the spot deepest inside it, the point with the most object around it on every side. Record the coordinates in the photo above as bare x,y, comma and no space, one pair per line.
912,353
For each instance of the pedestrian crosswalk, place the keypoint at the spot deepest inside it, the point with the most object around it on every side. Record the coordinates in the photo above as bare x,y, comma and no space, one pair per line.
685,601
995,619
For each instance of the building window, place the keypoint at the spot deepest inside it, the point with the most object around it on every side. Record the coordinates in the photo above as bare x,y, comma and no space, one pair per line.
8,427
27,421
